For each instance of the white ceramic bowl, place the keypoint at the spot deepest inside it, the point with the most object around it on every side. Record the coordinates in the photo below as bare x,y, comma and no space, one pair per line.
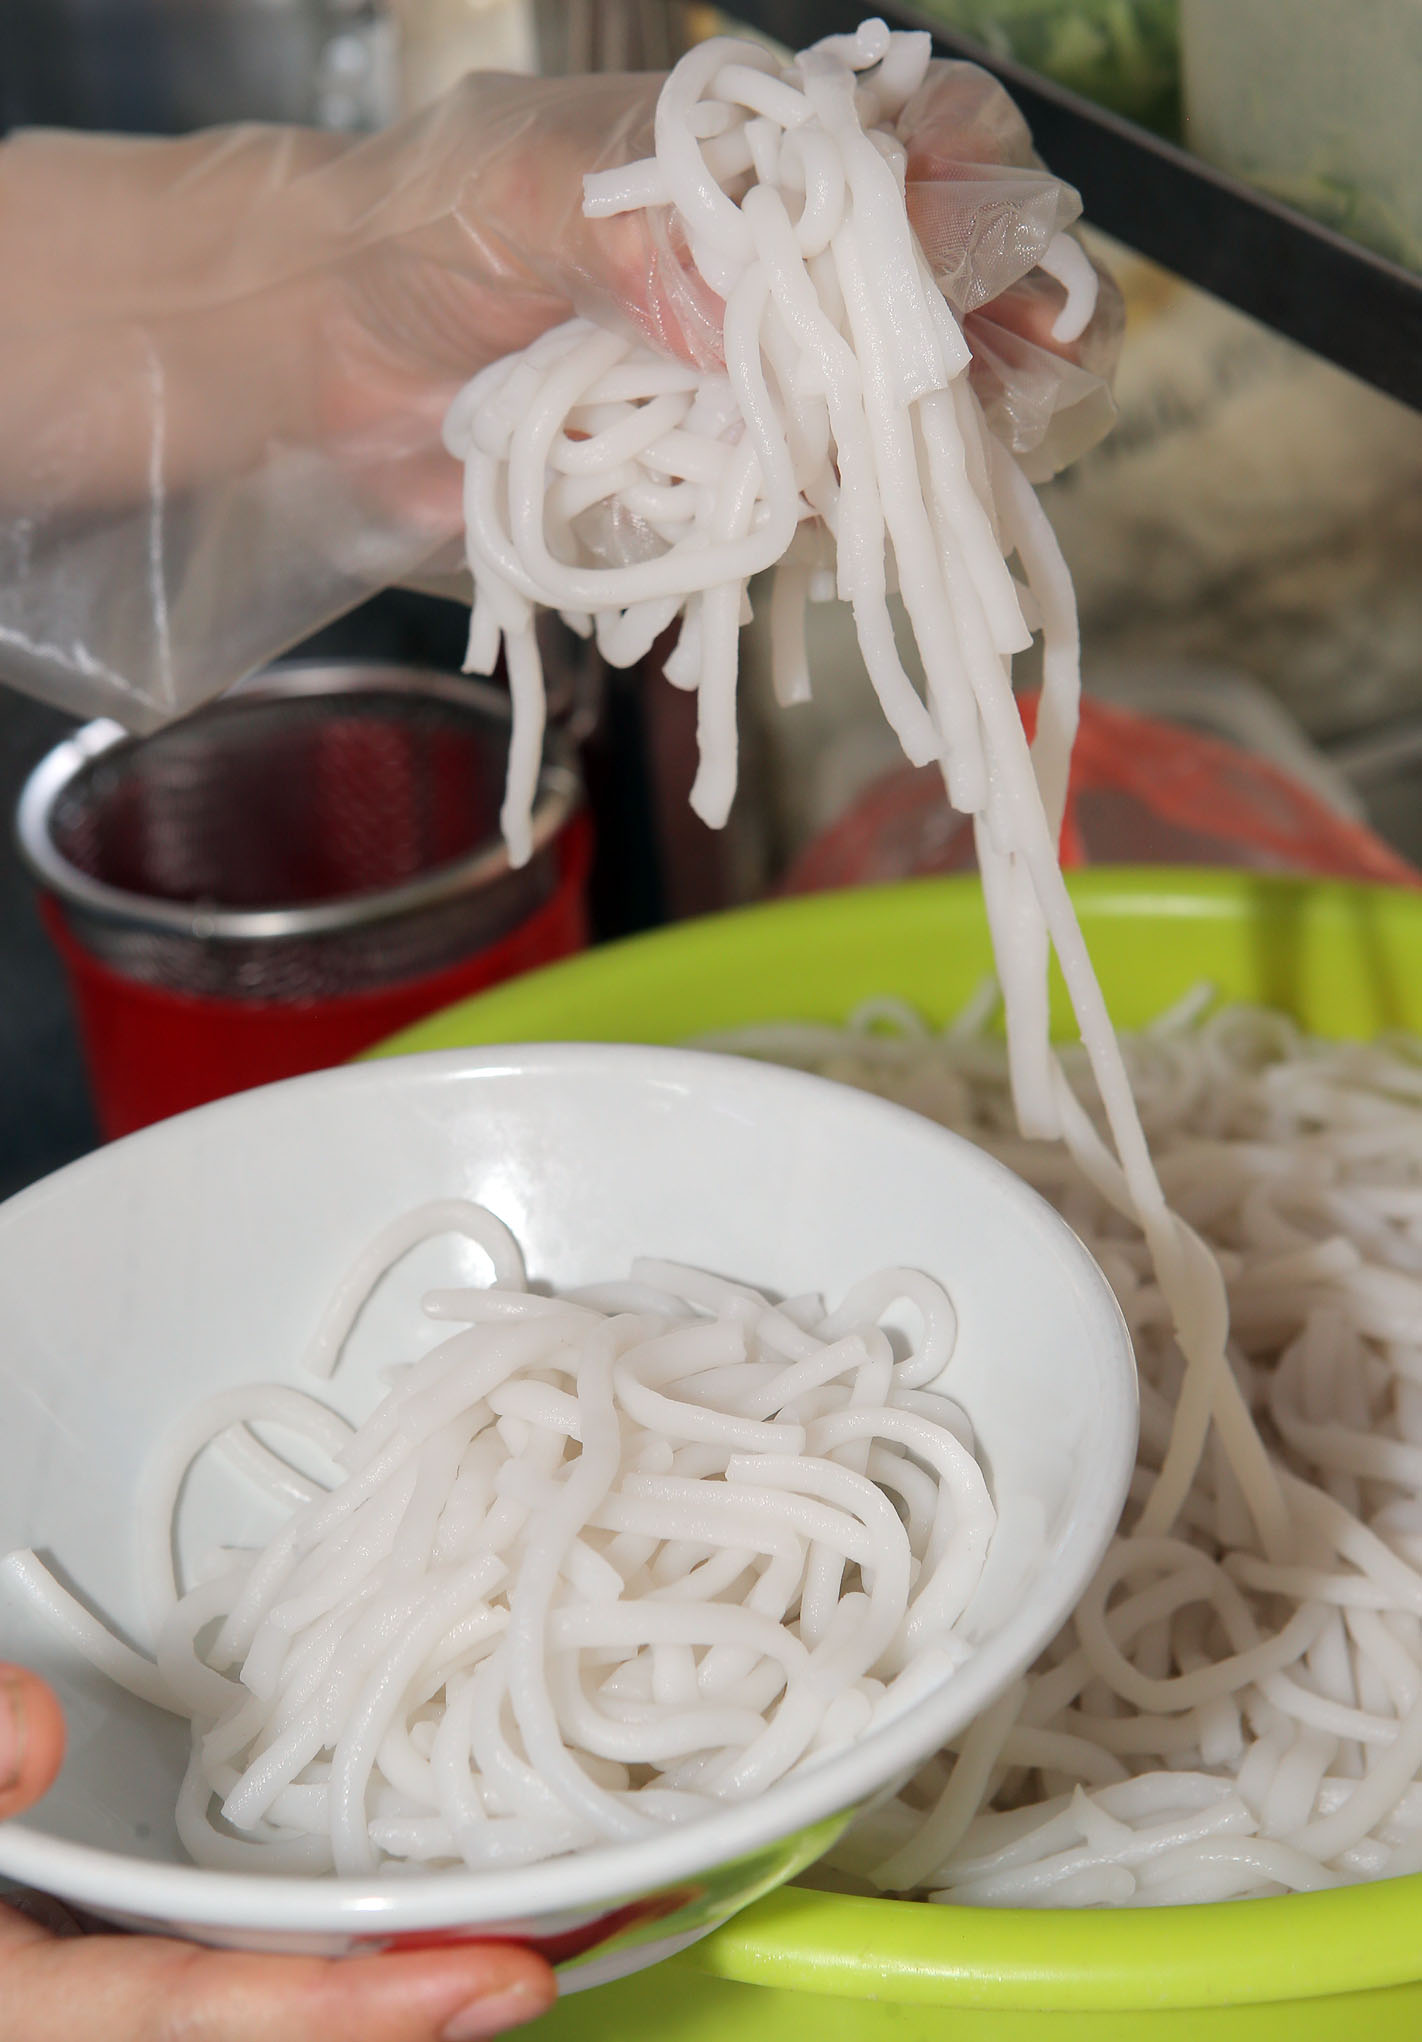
198,1255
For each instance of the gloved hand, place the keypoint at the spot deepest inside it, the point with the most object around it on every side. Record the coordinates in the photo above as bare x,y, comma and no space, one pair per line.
469,271
986,214
56,1980
224,361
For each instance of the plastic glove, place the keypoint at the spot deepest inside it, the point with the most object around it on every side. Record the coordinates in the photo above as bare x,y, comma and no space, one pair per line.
987,213
224,361
57,1979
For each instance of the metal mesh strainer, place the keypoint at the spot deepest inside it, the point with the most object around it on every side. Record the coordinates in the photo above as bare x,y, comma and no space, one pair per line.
323,830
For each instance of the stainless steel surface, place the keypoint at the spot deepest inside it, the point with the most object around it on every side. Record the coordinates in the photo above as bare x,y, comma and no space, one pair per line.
1384,766
45,1116
165,66
1331,295
610,35
324,829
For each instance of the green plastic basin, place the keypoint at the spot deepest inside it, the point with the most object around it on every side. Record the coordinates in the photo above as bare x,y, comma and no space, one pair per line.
812,1967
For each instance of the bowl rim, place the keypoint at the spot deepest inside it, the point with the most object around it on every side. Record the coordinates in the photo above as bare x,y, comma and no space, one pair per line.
256,1902
558,798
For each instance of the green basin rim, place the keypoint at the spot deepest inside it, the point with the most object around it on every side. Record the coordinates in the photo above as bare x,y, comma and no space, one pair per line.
1226,1953
1345,957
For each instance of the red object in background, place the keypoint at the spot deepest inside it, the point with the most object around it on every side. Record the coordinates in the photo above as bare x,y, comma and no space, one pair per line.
557,1949
152,1052
1142,793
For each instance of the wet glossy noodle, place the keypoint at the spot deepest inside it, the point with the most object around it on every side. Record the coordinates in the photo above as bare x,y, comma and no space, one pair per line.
1215,1721
594,1564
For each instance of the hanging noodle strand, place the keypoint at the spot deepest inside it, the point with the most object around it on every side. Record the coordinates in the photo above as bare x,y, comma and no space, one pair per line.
842,428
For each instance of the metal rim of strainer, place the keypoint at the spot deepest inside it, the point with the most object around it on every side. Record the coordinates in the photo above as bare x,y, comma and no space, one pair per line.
558,799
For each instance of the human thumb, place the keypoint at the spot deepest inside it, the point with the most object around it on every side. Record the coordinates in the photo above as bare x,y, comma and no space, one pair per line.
31,1739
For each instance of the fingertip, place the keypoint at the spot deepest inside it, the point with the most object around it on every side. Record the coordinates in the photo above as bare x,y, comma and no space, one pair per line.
31,1738
461,1994
528,1992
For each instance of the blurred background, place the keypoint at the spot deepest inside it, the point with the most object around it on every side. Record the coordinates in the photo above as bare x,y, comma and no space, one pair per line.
1245,544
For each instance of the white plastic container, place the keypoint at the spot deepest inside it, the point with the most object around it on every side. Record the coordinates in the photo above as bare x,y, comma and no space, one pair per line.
1318,102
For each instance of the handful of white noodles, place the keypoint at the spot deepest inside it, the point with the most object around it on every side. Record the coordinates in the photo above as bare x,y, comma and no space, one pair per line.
840,445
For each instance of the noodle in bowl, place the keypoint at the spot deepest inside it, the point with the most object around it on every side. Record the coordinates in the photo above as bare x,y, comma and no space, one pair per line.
210,1245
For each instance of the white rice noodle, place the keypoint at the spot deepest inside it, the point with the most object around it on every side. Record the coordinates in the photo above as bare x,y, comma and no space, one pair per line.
588,1568
1215,1722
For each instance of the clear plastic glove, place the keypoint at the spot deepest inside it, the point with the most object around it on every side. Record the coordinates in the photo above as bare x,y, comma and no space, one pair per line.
225,360
988,215
56,1979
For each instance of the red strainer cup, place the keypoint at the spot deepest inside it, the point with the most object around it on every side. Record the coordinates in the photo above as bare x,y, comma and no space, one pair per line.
288,876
